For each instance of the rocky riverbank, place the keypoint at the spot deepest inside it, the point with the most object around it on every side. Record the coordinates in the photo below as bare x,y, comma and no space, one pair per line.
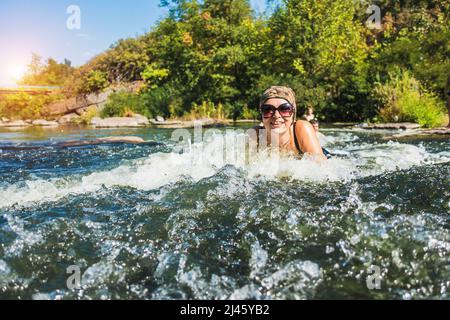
77,106
389,126
437,133
407,131
136,121
7,123
76,111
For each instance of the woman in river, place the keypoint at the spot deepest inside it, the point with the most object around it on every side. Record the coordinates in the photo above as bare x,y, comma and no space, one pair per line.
278,109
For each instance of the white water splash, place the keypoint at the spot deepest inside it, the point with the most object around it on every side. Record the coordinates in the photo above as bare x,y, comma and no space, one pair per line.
164,168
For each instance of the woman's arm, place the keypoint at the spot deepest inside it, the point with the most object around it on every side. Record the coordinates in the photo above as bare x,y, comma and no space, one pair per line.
307,138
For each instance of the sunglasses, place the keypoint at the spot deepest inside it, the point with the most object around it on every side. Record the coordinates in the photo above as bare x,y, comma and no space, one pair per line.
286,110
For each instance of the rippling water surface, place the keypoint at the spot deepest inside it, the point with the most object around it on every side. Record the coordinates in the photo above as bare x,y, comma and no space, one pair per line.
142,222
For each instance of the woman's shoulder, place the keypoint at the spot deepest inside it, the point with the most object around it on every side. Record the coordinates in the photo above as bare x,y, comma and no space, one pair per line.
303,124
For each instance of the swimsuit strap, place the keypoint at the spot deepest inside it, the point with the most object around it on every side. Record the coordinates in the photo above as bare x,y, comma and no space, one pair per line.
297,145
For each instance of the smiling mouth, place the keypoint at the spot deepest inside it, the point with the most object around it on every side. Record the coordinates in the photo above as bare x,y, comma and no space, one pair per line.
277,124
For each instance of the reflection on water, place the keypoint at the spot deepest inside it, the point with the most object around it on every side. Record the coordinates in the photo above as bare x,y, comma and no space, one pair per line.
142,221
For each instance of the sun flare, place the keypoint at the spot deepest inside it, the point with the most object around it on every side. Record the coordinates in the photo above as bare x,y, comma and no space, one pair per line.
17,71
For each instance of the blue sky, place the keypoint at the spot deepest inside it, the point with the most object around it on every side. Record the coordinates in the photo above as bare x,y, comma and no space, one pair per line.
39,26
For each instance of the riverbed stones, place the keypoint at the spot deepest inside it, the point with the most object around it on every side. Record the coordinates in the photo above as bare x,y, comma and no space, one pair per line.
15,124
392,126
116,139
205,123
438,133
120,122
63,107
124,139
81,111
142,120
98,98
80,103
45,123
68,118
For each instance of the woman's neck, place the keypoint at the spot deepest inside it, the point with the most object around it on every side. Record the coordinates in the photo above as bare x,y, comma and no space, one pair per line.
285,140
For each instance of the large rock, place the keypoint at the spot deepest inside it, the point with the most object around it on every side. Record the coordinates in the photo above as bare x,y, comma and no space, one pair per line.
205,123
81,111
116,123
124,139
45,123
117,139
75,104
68,118
98,100
63,107
142,120
165,123
15,124
435,133
393,126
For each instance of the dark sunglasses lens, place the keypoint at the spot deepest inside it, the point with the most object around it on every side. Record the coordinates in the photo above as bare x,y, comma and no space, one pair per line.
267,111
285,110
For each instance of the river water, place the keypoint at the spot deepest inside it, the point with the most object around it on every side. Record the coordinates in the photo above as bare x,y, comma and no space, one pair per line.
143,222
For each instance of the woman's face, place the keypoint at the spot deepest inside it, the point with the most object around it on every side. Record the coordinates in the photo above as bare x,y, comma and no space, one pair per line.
277,123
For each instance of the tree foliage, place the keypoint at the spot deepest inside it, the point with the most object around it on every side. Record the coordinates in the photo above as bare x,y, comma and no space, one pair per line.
50,73
218,52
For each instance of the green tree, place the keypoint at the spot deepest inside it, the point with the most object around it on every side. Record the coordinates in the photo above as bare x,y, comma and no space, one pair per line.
217,52
317,46
51,73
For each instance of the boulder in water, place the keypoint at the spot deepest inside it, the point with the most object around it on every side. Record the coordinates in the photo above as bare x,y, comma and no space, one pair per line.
118,122
392,126
15,124
68,118
437,133
118,139
45,123
129,139
62,107
142,120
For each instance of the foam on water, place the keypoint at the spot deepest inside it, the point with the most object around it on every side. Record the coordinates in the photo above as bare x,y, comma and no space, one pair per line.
231,229
207,158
